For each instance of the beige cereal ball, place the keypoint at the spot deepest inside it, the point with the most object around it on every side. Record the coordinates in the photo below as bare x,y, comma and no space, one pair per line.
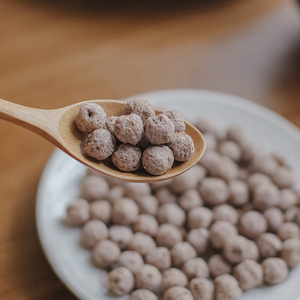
113,182
190,199
199,217
157,160
235,133
220,231
148,204
265,196
205,125
105,253
230,149
159,257
100,144
274,218
238,192
250,150
135,190
93,231
148,278
168,235
146,224
210,140
78,212
160,184
275,270
291,214
121,235
177,118
225,212
173,277
225,168
265,164
90,117
284,177
121,281
142,294
181,252
178,293
100,210
171,213
227,288
249,274
131,260
256,179
110,124
195,267
288,230
209,158
125,211
115,193
94,188
218,266
288,198
141,243
290,252
243,174
164,195
269,245
140,107
202,289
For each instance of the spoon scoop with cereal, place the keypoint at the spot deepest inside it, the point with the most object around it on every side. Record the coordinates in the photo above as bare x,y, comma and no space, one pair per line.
58,127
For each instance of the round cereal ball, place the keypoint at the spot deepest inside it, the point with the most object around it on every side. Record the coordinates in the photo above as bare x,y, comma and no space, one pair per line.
141,243
121,281
100,210
195,267
243,174
202,289
90,117
157,160
288,230
125,211
238,192
217,266
110,124
94,188
136,190
290,252
199,217
288,198
149,278
177,118
159,257
225,212
225,168
129,129
121,235
265,196
250,150
131,260
252,224
274,218
249,274
100,144
230,149
93,231
181,252
140,107
148,204
227,288
127,158
269,244
214,191
78,212
142,294
105,253
171,213
220,231
291,214
190,199
146,224
198,238
265,164
235,133
210,141
256,179
168,235
115,193
173,277
205,125
275,270
164,195
113,181
178,293
159,184
284,177
209,158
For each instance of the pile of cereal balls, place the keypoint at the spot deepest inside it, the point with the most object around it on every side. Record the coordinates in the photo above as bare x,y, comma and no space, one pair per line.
142,137
228,225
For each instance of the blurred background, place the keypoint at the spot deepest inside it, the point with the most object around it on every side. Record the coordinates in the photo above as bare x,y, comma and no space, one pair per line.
55,53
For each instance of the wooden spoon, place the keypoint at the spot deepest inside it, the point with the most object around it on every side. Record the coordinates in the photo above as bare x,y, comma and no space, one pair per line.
58,127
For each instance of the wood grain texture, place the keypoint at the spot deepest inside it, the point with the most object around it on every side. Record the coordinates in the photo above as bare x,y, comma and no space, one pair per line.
56,53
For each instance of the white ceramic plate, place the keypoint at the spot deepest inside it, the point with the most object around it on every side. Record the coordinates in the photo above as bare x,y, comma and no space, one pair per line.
59,185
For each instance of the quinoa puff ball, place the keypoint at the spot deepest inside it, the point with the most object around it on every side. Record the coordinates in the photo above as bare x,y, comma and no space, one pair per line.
94,188
125,211
159,257
121,235
140,107
168,235
252,224
275,270
121,281
198,238
227,288
101,210
131,260
182,252
105,253
218,266
78,212
173,277
195,267
142,294
177,118
290,252
178,293
225,212
171,213
202,289
148,278
93,231
141,243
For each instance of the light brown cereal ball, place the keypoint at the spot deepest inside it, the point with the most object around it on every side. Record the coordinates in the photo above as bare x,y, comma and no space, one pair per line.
141,243
105,253
230,149
110,124
288,230
112,181
284,177
288,198
214,191
274,218
238,192
159,184
125,211
249,274
202,289
168,235
121,235
265,164
173,277
93,231
218,266
199,217
90,117
148,204
225,212
78,212
225,168
164,195
127,157
159,257
121,281
157,160
243,174
265,196
205,125
148,278
252,224
115,193
291,214
235,133
256,179
171,213
178,293
227,288
275,270
190,199
94,188
250,150
181,252
195,267
136,190
210,141
268,244
100,144
142,294
198,238
209,158
146,224
131,260
140,107
177,118
100,210
290,252
220,231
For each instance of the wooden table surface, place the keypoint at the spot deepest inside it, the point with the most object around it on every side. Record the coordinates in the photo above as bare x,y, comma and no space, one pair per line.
54,53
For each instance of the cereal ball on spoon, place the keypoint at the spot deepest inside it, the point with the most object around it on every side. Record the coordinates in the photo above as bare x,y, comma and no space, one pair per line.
78,212
110,124
140,107
177,118
121,281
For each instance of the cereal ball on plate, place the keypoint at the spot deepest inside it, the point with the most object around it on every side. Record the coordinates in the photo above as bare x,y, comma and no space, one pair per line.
141,243
249,274
110,124
256,179
164,195
288,198
121,235
142,294
199,217
173,277
159,257
284,177
230,149
274,218
205,125
210,141
288,230
140,107
238,192
148,278
275,270
252,224
115,193
235,133
160,184
157,160
113,182
290,252
168,235
195,267
125,211
78,212
105,253
269,244
94,188
131,260
243,174
127,157
148,204
198,238
90,117
181,252
121,281
250,150
144,142
178,293
225,212
202,289
100,144
227,288
225,168
218,266
209,158
265,164
265,196
100,210
93,231
220,231
136,190
291,214
146,224
177,118
171,213
190,199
